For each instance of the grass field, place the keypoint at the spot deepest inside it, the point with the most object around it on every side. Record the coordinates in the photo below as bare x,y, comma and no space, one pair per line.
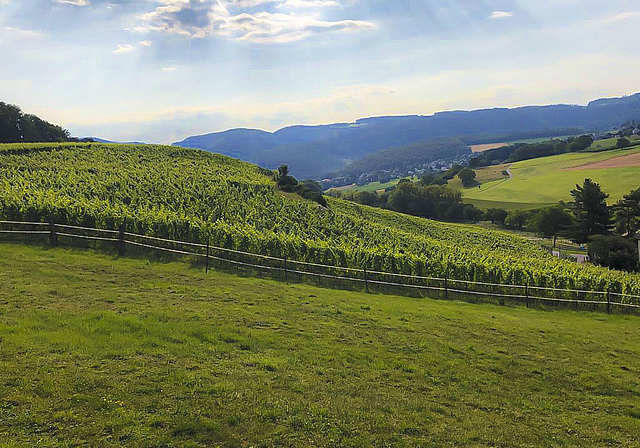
549,180
610,143
100,351
375,186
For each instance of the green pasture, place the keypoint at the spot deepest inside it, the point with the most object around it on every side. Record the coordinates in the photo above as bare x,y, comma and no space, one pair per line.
117,352
611,143
375,186
543,180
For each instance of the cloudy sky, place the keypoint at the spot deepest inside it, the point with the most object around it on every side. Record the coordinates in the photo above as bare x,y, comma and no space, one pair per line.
161,70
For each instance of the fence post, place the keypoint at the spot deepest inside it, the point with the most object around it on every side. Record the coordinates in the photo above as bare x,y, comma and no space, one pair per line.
446,289
286,272
608,303
526,294
53,238
366,281
121,240
206,263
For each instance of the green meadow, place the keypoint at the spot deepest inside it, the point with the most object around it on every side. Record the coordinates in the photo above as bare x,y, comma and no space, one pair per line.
547,180
119,352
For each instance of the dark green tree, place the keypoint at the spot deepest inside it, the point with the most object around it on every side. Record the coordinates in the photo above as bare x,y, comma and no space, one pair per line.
623,143
551,222
517,219
497,215
467,177
590,210
614,251
627,213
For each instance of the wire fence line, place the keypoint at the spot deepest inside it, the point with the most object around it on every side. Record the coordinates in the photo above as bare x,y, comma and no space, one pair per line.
445,287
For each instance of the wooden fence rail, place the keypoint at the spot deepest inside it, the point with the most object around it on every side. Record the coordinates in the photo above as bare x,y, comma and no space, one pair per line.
526,294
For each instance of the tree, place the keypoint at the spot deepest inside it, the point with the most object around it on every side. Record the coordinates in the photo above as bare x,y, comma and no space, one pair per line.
497,215
467,177
551,222
614,252
627,213
623,143
517,219
427,179
592,216
283,171
580,144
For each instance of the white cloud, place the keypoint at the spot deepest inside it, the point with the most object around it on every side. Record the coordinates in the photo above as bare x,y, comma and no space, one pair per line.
624,16
145,43
307,4
73,2
23,34
169,69
202,18
126,48
500,15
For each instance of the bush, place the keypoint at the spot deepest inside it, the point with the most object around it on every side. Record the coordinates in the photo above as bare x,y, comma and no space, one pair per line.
497,215
614,252
623,143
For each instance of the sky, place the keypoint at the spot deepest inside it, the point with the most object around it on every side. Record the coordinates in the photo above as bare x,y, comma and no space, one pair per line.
162,70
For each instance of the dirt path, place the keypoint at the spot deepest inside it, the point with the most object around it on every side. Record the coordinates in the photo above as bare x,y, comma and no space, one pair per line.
500,183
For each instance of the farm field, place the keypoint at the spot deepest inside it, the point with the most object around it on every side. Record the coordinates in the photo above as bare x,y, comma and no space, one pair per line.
550,179
488,146
610,143
375,186
108,351
191,195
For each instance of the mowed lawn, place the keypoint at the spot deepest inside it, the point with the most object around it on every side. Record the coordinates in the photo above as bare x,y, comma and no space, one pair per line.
548,180
99,351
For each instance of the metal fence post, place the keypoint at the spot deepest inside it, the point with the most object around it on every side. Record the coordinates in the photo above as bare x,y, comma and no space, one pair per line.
121,240
526,294
53,238
608,303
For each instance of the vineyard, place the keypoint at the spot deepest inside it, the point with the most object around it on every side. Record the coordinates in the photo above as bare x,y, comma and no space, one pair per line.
192,195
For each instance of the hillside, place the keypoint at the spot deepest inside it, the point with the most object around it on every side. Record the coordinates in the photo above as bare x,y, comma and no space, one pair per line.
197,196
408,157
18,127
109,352
550,179
313,151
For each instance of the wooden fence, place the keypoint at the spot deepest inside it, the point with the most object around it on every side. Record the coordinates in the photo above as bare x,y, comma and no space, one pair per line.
331,276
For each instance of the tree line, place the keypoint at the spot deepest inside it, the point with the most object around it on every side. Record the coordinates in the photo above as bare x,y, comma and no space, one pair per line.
526,151
18,127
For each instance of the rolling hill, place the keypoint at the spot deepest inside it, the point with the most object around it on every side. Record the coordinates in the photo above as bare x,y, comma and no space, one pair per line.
407,157
126,352
193,195
313,151
550,179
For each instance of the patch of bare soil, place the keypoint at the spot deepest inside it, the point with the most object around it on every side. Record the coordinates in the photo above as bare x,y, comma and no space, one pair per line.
616,162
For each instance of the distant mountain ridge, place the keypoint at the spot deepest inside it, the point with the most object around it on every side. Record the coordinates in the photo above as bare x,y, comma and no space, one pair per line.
312,151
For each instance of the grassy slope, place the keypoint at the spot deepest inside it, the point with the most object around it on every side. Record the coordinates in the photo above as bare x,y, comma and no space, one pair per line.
543,181
122,352
193,195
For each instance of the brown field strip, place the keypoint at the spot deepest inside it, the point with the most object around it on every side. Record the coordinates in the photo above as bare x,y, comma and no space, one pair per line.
487,147
616,162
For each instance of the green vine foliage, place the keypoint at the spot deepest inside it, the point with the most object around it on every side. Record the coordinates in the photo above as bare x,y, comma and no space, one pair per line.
193,195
